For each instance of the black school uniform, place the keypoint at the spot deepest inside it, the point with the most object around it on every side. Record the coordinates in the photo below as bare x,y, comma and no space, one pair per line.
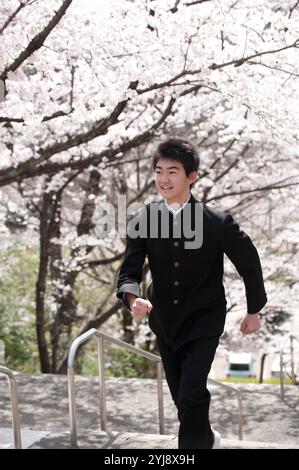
185,255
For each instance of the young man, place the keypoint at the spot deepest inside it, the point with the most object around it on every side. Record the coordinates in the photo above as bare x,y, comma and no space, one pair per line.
187,305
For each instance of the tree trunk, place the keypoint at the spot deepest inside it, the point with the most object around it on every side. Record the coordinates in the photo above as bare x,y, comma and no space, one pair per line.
55,270
41,285
66,314
261,376
126,323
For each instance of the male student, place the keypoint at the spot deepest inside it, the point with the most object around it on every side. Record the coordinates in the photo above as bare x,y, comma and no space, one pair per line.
185,241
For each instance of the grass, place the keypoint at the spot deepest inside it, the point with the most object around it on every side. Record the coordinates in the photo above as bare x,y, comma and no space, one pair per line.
274,381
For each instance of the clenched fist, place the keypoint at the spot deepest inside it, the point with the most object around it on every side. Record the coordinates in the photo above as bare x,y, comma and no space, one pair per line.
140,307
250,324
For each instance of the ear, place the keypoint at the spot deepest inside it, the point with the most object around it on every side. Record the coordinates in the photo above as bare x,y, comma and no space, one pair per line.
193,176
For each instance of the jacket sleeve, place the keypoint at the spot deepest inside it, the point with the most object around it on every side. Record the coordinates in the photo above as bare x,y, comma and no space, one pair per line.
130,274
237,245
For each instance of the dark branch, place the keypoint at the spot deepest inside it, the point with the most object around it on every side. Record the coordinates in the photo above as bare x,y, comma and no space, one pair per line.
101,262
9,119
169,82
239,62
269,187
174,9
45,119
33,166
54,115
293,8
37,42
253,62
189,4
13,15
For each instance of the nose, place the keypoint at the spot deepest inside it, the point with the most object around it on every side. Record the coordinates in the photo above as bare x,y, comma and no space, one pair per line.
164,179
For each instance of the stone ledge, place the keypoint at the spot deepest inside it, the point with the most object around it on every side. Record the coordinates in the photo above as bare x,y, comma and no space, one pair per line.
123,440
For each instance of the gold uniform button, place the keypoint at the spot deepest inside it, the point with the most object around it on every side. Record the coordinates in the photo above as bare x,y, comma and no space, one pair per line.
176,283
175,301
176,264
176,243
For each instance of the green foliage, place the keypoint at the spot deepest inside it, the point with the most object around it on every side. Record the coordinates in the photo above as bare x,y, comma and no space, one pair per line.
275,319
119,363
88,292
286,281
274,381
123,363
17,328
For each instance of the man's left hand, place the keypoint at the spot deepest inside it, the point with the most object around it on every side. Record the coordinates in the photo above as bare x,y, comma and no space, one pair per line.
250,324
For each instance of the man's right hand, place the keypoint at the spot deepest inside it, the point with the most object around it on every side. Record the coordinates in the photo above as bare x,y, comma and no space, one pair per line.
140,308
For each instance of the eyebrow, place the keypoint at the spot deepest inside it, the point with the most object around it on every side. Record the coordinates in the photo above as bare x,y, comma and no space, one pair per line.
167,168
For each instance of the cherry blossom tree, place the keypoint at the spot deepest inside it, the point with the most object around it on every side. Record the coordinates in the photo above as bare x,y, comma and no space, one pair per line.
88,90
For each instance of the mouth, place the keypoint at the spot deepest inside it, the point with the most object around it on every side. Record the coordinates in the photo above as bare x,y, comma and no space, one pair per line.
166,188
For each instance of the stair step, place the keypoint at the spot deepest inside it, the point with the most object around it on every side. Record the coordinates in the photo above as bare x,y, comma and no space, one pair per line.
91,439
28,437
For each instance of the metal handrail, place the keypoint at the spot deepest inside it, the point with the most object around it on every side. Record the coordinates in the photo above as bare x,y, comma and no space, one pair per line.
290,337
103,411
14,405
101,361
240,404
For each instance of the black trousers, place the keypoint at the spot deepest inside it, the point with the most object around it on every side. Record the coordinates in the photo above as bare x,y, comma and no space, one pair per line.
186,372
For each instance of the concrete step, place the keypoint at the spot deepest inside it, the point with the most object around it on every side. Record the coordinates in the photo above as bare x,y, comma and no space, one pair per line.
28,437
92,439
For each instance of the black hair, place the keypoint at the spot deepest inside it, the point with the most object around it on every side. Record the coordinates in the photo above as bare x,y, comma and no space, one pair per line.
180,150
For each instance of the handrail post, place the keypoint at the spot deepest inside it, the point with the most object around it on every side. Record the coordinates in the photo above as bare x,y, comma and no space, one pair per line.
101,363
71,382
14,406
72,406
281,376
281,372
240,413
160,397
292,359
292,338
240,406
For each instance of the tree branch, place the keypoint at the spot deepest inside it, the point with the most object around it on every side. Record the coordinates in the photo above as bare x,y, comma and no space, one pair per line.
174,9
9,119
169,82
269,187
189,4
45,119
54,115
239,62
293,8
14,14
101,262
273,68
31,167
37,42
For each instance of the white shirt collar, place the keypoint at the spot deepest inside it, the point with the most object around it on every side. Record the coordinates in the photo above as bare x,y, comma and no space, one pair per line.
175,212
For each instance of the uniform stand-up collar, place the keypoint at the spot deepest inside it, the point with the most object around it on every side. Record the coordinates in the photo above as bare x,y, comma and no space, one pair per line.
179,209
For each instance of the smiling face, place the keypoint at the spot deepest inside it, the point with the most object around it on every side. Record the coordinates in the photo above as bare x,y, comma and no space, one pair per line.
172,182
